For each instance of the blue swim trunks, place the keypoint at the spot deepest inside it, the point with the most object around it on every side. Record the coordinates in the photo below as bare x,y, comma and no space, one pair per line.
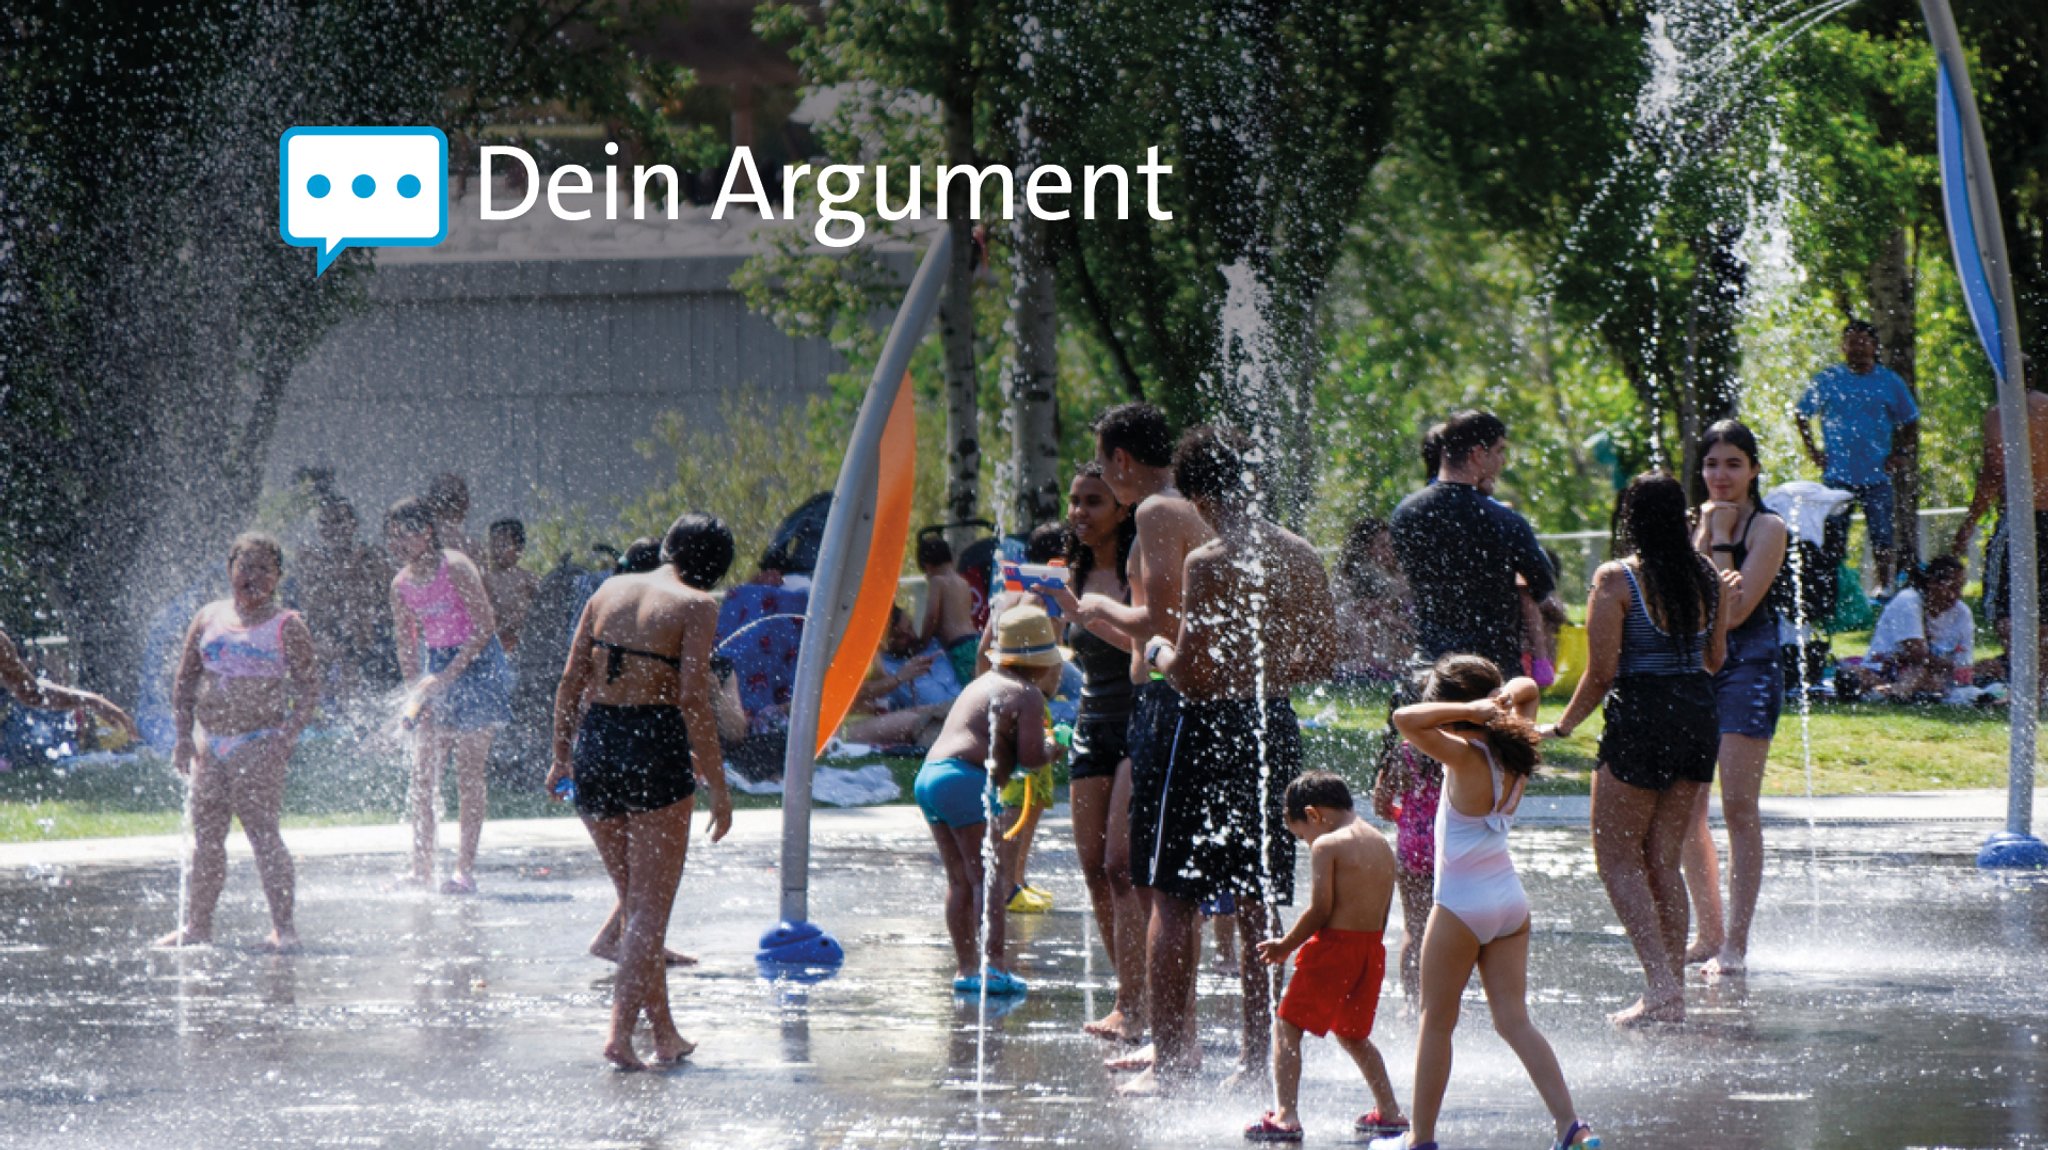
955,792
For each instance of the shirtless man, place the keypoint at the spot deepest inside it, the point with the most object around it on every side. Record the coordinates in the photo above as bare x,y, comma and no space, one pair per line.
1991,491
510,586
1256,615
1134,445
948,607
341,588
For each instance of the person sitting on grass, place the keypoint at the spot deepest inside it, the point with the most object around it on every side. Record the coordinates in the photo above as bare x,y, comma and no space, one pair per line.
904,699
1924,635
40,695
1340,956
949,606
996,727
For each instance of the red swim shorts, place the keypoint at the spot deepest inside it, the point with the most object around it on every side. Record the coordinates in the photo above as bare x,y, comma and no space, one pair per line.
1336,983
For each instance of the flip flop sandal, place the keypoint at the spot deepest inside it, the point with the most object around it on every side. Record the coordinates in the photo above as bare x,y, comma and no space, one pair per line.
1001,984
1577,1136
1268,1130
1372,1125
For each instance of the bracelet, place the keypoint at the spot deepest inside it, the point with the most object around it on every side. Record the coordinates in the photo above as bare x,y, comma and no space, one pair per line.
1724,547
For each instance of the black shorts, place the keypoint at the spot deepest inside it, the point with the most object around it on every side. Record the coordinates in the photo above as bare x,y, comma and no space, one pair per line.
2001,558
1661,729
1219,827
1147,741
1100,743
631,760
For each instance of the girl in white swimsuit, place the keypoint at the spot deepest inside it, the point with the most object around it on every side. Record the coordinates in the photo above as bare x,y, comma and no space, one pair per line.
1475,878
1482,731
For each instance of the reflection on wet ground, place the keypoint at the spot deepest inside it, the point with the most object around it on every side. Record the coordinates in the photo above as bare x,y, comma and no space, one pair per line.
1899,1000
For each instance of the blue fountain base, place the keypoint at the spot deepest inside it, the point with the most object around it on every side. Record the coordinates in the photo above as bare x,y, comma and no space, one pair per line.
2008,851
799,950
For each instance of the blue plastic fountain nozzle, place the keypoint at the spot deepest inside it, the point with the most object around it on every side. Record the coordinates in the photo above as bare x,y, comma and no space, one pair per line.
799,950
2009,851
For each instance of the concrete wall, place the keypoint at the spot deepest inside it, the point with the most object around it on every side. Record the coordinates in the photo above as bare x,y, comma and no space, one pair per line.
529,376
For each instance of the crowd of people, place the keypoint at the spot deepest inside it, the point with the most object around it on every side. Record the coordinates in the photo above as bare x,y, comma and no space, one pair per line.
1216,613
1189,616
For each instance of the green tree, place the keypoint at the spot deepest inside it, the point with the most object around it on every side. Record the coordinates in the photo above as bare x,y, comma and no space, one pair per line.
149,315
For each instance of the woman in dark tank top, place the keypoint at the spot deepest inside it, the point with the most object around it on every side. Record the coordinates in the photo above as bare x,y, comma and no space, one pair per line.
1101,539
1656,629
1737,533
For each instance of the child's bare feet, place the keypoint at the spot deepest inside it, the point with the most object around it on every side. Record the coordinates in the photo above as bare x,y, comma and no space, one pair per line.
1139,1059
1726,963
1701,951
185,936
620,1054
609,952
1248,1076
406,881
1647,1011
1117,1028
1150,1084
673,1049
459,884
284,941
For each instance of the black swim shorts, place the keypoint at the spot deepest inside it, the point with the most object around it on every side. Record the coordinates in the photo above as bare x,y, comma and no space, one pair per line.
631,760
1218,827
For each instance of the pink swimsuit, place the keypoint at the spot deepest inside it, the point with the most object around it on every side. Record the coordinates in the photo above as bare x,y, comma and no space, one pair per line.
1415,812
444,621
234,652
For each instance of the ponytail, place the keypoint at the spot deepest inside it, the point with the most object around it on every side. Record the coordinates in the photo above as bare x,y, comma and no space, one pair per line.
1515,743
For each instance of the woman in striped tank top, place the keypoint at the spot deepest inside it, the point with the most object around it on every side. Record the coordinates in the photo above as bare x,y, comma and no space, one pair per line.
1656,630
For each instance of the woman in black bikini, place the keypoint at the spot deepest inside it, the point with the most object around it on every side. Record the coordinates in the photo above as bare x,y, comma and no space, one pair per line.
641,665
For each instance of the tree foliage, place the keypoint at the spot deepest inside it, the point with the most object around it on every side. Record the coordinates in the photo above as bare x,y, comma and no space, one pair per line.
149,317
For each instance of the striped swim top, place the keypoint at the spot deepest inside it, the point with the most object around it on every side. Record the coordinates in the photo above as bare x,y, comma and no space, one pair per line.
1647,650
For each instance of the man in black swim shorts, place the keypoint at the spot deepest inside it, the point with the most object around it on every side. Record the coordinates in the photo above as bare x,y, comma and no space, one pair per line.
1256,611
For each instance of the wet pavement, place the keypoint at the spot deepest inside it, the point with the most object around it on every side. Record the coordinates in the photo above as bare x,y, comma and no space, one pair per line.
1899,999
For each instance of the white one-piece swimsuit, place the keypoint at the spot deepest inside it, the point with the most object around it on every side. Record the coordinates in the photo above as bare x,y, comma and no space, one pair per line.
1475,878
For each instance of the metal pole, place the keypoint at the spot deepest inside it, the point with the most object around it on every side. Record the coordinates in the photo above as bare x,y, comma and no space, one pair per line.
2024,699
831,599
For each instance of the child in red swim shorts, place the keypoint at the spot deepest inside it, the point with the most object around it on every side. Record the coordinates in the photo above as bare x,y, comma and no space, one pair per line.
1340,957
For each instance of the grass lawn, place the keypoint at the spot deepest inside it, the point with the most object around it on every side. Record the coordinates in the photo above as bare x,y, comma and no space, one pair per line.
1857,748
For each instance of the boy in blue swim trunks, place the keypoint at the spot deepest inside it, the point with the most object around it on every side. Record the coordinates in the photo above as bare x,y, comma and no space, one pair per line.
996,727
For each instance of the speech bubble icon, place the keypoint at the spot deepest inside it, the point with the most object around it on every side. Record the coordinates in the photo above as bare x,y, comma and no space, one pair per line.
361,187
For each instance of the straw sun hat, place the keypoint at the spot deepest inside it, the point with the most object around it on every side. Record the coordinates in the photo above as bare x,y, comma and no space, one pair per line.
1024,638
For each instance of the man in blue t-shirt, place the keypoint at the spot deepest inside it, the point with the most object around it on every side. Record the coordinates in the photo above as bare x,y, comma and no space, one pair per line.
1867,417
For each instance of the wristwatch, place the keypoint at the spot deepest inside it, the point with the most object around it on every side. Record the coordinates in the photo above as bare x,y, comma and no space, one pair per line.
1153,646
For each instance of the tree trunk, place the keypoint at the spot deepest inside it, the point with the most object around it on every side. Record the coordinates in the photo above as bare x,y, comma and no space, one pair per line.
1891,308
956,310
1034,376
